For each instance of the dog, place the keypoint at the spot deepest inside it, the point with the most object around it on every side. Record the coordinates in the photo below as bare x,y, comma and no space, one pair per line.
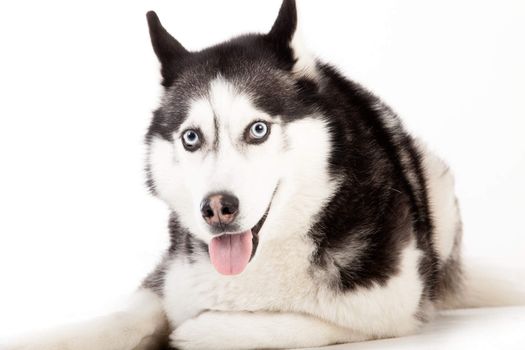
302,212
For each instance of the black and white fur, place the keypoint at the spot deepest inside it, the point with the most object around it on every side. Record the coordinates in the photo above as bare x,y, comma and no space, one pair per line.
361,234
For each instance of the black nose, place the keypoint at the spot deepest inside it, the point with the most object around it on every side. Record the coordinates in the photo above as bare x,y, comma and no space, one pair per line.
219,209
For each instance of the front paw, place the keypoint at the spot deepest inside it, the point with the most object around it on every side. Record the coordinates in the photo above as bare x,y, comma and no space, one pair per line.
189,335
201,332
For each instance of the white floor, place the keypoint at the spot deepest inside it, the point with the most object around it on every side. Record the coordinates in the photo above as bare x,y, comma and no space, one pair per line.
488,328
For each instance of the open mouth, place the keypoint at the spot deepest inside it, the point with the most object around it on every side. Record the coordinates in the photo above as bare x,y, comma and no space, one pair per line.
230,253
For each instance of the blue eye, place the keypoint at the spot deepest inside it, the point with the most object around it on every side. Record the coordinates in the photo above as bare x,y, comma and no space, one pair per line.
191,139
258,131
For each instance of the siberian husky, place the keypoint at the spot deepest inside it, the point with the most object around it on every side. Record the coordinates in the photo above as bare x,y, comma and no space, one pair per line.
302,212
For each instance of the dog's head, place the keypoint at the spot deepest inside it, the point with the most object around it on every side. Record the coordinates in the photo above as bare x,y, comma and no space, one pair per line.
235,125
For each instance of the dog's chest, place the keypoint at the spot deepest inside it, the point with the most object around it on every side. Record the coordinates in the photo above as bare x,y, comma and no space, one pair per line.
277,278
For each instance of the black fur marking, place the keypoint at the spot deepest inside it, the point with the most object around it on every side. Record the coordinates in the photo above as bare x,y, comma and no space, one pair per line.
375,187
182,245
260,223
216,129
150,183
182,242
155,280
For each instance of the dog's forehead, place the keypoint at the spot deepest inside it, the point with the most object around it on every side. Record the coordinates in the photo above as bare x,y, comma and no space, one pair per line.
247,87
230,103
250,74
225,106
233,86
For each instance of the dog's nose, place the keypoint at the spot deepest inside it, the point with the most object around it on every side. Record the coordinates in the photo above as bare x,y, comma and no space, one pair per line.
219,209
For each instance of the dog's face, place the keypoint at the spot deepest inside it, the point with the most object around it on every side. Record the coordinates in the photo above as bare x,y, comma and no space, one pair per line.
232,127
222,162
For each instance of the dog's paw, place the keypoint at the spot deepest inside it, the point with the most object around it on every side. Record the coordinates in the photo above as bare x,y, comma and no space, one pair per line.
202,332
191,335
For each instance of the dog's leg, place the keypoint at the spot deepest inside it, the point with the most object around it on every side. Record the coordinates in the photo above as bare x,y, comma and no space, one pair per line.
141,325
258,330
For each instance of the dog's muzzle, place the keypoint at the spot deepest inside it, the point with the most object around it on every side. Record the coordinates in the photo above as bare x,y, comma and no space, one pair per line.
231,249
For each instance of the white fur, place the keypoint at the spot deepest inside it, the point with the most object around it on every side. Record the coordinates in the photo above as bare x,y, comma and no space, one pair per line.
305,64
132,328
261,330
366,313
442,201
491,285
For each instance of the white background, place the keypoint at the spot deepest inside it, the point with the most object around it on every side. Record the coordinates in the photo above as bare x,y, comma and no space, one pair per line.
78,82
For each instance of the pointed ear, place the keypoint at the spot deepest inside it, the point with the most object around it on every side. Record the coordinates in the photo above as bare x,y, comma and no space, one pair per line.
285,25
288,44
168,50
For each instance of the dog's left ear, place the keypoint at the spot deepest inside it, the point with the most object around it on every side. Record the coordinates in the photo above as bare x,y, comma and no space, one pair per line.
286,41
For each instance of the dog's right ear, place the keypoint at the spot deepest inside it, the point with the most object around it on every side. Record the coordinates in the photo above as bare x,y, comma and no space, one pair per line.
287,42
168,50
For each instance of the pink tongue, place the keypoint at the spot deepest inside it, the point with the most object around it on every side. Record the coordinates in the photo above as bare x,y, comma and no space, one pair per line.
231,253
